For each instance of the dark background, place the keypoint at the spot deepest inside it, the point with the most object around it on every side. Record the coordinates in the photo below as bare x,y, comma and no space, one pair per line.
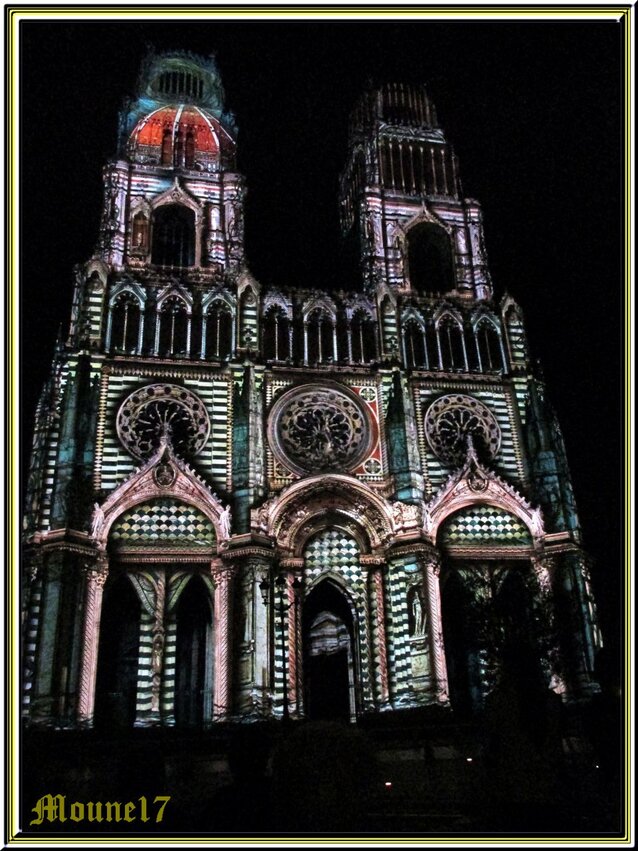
533,108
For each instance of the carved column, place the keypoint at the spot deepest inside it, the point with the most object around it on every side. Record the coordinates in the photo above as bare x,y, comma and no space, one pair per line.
95,577
293,664
377,591
437,649
222,694
157,646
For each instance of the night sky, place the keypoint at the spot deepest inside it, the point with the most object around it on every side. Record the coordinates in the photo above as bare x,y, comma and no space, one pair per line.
533,110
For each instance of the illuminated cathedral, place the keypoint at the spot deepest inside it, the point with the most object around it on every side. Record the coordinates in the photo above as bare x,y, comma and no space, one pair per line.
247,502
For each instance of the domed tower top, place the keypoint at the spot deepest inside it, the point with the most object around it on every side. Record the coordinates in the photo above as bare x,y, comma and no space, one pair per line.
173,89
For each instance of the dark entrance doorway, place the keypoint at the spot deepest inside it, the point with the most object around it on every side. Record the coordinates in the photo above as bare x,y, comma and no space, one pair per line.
329,663
116,685
193,654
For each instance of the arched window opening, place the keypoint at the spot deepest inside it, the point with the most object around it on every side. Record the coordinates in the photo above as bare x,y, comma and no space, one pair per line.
431,345
320,331
194,656
173,236
189,155
330,669
451,341
414,344
489,347
430,262
125,323
167,147
118,656
276,335
363,335
178,149
219,331
173,320
139,236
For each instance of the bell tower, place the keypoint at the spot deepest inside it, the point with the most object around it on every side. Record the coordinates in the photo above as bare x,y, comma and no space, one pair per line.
402,201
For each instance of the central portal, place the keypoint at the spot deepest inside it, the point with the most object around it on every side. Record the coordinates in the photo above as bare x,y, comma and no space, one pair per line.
329,664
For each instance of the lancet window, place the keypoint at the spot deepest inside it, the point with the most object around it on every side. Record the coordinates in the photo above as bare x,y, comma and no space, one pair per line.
277,334
452,351
414,349
173,327
362,336
320,337
125,325
218,340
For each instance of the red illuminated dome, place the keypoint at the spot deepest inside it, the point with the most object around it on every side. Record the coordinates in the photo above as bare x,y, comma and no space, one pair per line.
185,136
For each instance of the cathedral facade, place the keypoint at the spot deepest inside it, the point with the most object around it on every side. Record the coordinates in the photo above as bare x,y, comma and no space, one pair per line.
247,503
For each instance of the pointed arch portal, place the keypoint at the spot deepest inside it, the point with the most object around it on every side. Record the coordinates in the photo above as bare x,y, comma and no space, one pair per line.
328,654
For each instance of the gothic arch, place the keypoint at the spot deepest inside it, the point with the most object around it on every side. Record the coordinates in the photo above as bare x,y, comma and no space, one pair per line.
311,504
473,484
163,476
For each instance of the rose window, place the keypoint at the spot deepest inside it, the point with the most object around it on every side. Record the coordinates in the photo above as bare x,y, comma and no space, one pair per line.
163,411
452,419
316,429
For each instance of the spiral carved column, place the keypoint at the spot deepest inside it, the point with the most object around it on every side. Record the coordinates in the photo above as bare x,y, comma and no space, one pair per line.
377,578
437,648
95,577
222,695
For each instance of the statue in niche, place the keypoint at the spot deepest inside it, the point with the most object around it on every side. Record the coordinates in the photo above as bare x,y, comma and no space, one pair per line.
225,521
416,612
97,521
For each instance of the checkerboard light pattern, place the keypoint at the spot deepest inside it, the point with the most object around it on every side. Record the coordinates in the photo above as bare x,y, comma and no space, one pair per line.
484,525
163,521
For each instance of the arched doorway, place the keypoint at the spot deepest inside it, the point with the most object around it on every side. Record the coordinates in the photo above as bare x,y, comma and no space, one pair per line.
118,655
193,656
329,659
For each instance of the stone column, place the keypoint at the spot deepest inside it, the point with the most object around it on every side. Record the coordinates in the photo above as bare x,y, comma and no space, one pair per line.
157,646
379,649
292,568
95,577
223,600
437,649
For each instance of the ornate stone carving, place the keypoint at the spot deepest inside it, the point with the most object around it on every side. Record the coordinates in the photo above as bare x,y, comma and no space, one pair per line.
163,410
319,428
453,419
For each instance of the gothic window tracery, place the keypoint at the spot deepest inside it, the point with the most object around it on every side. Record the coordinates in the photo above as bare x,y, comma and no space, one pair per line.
414,344
276,334
488,345
218,331
320,337
125,324
451,343
173,327
363,337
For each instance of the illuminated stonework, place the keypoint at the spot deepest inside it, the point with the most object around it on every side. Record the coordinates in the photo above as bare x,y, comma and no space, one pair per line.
319,428
452,419
159,410
380,464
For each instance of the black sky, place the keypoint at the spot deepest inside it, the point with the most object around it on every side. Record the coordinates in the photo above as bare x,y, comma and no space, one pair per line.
533,109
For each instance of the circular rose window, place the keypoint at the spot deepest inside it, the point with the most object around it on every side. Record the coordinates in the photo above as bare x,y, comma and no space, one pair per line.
319,429
449,422
160,410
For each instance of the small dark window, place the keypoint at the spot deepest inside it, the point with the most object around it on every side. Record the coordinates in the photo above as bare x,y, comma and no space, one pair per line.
167,147
489,347
451,340
173,236
189,159
140,233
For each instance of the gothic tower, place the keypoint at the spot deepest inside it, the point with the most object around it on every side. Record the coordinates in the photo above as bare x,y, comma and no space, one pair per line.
245,502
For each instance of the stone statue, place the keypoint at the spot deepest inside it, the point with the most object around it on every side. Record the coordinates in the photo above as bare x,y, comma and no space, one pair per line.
418,615
225,521
97,521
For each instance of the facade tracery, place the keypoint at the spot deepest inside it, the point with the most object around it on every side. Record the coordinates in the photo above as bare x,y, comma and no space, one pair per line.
382,466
